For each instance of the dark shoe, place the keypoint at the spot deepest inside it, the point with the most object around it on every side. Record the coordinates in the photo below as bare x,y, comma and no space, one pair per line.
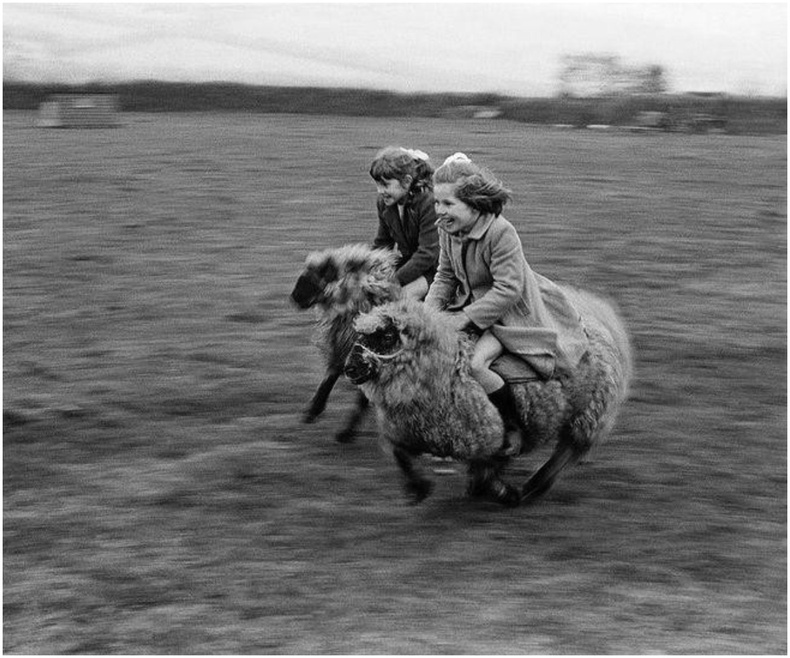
513,443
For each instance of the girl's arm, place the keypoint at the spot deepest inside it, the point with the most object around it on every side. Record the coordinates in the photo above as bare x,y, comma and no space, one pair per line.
383,239
427,252
507,268
445,283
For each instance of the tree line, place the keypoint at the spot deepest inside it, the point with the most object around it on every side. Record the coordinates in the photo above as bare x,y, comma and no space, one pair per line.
742,115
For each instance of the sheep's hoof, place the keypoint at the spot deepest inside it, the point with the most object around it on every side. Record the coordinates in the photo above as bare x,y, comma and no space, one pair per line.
507,495
418,490
309,417
346,436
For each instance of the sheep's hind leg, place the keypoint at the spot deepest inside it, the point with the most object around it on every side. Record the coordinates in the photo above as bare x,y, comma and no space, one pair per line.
565,454
349,432
485,481
417,487
318,403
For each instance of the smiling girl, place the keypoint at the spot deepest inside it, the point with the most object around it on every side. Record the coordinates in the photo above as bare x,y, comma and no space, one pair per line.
407,218
484,279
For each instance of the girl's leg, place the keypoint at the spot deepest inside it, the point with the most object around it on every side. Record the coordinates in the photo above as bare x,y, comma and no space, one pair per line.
487,349
417,289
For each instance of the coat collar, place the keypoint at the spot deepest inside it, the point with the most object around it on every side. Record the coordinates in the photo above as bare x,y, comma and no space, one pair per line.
477,231
408,205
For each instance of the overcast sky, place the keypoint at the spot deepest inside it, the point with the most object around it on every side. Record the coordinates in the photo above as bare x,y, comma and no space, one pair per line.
512,48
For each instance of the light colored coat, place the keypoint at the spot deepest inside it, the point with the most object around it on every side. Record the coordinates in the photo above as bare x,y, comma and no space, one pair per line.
486,275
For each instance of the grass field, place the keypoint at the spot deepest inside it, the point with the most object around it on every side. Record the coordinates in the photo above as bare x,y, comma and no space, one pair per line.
162,496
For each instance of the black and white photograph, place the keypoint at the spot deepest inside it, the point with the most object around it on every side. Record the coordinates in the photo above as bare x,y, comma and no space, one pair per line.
395,328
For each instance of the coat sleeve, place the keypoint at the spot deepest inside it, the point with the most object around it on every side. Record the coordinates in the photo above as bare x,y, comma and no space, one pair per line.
445,283
508,269
427,253
383,239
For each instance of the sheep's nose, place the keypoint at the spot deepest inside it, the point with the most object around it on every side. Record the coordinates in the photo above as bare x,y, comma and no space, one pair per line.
357,369
305,292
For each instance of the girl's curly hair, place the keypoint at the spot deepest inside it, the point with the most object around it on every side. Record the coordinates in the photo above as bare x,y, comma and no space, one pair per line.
396,163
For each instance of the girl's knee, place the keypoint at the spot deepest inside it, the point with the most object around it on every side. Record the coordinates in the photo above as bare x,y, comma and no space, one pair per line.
488,379
476,368
479,364
486,351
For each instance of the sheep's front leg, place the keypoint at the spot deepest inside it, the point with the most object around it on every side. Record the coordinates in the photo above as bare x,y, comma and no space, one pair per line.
318,403
417,486
349,432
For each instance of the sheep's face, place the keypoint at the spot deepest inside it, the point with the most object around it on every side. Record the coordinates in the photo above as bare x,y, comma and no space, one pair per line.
311,286
378,342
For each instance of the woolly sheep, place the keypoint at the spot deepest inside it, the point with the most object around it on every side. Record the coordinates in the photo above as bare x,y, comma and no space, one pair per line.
414,368
340,284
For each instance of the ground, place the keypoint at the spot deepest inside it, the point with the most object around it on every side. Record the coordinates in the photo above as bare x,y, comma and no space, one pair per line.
162,496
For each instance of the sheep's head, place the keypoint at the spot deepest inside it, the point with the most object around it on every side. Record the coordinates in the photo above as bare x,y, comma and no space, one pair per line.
399,337
378,341
353,278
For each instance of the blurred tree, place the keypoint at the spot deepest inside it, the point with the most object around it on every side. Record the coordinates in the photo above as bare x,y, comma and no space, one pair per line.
654,81
589,75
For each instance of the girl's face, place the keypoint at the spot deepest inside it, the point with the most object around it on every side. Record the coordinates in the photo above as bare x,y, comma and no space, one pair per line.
452,214
392,191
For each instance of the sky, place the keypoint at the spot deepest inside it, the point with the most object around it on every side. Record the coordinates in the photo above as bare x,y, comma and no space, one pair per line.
513,48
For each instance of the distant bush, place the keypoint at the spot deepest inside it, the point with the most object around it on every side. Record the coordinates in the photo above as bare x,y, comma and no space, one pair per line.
740,114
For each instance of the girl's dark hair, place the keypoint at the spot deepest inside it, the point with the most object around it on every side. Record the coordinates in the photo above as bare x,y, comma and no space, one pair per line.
476,186
396,162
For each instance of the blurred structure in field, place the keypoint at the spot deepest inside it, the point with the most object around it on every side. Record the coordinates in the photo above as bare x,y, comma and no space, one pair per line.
473,112
652,120
79,111
679,121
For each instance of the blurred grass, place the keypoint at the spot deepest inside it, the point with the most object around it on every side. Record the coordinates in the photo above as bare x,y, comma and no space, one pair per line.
161,496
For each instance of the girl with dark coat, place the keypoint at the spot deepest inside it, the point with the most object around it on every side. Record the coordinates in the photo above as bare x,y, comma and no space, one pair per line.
407,218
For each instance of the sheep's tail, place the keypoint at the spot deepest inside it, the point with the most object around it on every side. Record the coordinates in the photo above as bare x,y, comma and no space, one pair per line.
603,320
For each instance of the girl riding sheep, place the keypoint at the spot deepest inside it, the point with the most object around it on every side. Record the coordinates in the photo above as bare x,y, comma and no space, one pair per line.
484,279
407,216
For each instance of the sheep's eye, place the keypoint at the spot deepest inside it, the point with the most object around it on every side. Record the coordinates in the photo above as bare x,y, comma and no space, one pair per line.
390,337
382,340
